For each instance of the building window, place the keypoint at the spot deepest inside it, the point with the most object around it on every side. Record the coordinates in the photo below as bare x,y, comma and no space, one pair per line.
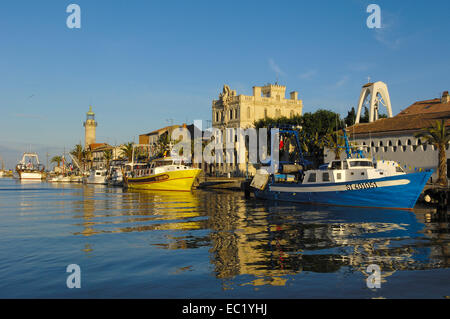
265,112
236,113
231,114
312,178
248,112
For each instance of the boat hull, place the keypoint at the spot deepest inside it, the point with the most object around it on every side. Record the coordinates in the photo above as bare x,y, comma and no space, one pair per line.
101,180
394,192
30,175
179,180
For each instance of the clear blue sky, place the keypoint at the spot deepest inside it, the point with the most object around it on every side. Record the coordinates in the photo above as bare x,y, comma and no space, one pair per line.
141,63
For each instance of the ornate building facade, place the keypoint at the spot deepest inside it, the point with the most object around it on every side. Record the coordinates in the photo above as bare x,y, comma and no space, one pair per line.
232,111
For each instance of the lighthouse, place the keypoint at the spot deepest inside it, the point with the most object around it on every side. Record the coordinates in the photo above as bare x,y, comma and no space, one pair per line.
89,128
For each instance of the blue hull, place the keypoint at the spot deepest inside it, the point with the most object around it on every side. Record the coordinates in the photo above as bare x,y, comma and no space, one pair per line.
395,192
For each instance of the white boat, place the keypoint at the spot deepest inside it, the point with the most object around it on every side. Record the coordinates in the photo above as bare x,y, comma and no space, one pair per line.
115,173
29,168
97,176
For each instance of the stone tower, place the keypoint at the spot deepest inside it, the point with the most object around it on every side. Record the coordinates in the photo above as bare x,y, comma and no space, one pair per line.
89,128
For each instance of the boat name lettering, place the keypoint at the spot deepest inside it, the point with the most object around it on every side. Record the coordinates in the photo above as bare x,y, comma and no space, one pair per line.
358,186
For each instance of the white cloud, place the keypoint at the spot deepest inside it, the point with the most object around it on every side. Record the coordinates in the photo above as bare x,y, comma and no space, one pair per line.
342,81
308,74
274,67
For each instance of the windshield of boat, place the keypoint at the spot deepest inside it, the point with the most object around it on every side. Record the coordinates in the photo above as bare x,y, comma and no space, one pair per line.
163,163
361,163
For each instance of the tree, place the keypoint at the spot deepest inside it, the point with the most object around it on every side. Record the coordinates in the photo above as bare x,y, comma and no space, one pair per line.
350,119
365,118
438,136
77,152
315,126
107,155
56,159
163,144
335,142
127,150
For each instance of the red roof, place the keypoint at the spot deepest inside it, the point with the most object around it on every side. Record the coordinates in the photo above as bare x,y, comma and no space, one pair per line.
420,115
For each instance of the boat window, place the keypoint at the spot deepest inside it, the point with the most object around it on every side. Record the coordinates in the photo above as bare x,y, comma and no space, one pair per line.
345,165
312,178
162,163
398,169
338,176
361,163
336,165
326,177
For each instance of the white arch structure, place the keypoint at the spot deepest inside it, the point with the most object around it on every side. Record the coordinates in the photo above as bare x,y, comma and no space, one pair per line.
374,89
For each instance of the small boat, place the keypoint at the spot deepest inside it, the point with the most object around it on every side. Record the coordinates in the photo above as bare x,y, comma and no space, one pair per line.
115,176
355,181
163,174
29,168
97,176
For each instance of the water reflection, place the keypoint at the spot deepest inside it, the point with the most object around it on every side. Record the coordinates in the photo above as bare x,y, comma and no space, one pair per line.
269,242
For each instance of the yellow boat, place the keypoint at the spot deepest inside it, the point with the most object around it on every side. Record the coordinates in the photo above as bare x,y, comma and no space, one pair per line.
164,174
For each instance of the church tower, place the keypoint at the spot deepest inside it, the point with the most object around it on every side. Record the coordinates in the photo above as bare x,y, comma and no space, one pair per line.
89,128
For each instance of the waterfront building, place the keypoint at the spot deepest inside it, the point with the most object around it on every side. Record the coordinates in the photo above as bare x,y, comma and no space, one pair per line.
97,150
153,137
241,111
393,138
90,126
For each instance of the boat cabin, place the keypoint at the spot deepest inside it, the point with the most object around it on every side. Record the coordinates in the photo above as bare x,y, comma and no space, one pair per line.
352,169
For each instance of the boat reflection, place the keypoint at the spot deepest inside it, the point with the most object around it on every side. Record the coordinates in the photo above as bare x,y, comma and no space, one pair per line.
258,243
116,211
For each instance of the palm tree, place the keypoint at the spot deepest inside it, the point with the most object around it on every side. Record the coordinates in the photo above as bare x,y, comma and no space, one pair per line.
78,153
56,159
335,142
86,157
107,155
127,150
438,136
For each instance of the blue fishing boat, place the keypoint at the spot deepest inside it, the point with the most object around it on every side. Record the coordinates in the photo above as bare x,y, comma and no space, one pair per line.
355,181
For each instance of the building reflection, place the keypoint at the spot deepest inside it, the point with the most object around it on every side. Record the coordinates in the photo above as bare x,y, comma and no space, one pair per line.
259,243
272,241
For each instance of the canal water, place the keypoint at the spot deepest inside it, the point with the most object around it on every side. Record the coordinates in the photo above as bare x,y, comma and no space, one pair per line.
209,244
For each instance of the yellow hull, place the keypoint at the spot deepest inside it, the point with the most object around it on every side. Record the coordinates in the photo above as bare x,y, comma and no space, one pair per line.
181,180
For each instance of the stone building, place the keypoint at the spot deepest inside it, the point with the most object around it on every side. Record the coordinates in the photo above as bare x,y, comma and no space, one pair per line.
393,138
241,111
